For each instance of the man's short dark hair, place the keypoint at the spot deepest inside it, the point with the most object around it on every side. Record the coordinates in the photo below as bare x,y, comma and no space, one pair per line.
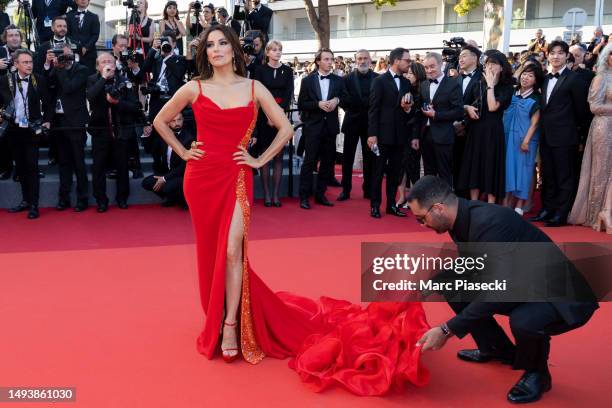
169,33
21,51
118,37
59,18
475,51
430,190
222,12
320,53
396,54
558,43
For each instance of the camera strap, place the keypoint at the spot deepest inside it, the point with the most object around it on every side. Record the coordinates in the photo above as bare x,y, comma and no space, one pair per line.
12,87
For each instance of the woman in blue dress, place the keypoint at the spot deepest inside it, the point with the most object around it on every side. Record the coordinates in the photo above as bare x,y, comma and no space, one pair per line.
522,136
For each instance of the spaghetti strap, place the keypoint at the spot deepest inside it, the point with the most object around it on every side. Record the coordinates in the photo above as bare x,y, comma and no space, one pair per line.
200,85
253,90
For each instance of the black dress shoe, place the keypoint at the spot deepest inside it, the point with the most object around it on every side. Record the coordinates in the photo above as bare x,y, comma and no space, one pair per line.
556,221
80,207
344,196
267,203
395,211
375,212
102,207
62,205
277,203
5,176
41,174
322,200
305,204
33,212
122,204
22,206
543,215
530,387
137,174
334,183
476,356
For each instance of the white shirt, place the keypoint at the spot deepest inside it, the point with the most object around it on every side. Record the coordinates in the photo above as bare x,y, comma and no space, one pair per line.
397,81
551,84
467,80
433,87
169,156
20,102
81,16
162,71
324,85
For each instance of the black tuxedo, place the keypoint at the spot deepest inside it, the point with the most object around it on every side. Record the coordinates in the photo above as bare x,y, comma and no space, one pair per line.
41,53
319,132
532,323
356,102
235,25
438,137
55,8
389,123
560,119
23,142
174,172
260,20
85,36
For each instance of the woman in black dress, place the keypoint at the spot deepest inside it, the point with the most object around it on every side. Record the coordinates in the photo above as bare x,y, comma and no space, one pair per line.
483,167
171,22
278,78
146,26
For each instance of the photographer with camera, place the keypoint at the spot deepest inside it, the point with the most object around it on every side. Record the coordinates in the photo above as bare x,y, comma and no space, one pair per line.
44,12
12,38
258,17
47,50
126,61
27,107
115,109
224,18
67,80
84,30
204,17
168,75
253,47
538,44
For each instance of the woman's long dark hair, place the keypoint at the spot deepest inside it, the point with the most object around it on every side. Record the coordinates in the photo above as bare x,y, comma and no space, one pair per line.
418,70
204,67
505,77
168,4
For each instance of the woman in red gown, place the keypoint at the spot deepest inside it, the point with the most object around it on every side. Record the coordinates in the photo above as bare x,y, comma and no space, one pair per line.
368,351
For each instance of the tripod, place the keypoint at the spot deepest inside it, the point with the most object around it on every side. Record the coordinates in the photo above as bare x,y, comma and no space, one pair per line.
25,22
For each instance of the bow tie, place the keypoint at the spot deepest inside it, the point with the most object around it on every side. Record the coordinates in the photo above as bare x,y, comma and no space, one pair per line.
59,41
551,75
323,77
433,81
467,75
396,76
26,79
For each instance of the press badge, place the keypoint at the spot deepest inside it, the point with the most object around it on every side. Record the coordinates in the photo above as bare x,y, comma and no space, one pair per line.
47,22
23,123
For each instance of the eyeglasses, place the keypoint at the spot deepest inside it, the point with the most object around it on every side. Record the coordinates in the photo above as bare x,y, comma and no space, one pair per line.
421,218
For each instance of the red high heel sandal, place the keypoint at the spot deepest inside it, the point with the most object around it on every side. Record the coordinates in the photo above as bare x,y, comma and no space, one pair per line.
228,358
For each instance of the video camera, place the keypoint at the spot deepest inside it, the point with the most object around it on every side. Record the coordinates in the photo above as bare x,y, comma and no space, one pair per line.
451,51
7,114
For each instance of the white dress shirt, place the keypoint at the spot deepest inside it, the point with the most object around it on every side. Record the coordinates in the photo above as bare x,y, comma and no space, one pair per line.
21,99
324,85
433,86
397,81
467,79
552,82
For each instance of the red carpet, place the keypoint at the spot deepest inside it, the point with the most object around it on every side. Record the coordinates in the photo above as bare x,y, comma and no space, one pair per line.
108,303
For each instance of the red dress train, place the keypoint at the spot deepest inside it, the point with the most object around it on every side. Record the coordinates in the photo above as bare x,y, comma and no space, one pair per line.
368,351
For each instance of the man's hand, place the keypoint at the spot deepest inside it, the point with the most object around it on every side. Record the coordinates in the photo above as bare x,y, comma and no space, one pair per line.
108,72
51,58
324,105
132,65
331,105
3,63
433,339
159,183
430,113
472,112
112,100
405,105
47,125
156,43
415,144
372,140
83,51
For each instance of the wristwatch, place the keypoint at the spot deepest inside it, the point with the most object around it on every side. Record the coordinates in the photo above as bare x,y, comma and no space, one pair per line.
445,329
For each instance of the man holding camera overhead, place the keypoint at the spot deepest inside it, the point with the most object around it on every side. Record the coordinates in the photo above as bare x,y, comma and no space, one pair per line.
168,71
67,80
26,105
114,110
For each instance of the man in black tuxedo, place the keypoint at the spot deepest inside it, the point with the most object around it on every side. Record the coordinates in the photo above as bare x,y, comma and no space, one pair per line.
44,11
224,18
388,129
84,30
356,101
67,81
532,323
169,184
470,75
111,123
318,103
168,75
563,108
27,92
259,17
443,100
59,40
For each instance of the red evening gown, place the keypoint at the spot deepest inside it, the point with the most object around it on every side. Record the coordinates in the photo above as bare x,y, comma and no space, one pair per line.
367,350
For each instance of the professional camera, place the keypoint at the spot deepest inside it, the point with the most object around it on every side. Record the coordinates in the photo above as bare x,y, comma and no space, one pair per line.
7,114
451,51
65,58
117,88
38,128
166,47
129,4
130,55
197,6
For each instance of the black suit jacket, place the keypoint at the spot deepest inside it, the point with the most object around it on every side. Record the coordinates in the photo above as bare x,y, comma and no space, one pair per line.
40,10
41,54
468,95
175,69
481,222
4,53
308,103
126,112
354,102
85,36
565,111
448,104
177,164
5,21
386,118
69,85
260,20
40,105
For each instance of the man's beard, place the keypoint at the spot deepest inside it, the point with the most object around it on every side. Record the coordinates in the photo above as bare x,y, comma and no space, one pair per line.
363,68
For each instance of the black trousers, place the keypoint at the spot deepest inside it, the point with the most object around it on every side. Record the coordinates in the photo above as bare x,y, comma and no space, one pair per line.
104,145
172,189
351,140
437,158
389,162
24,146
321,148
458,149
559,178
411,165
532,325
71,160
6,158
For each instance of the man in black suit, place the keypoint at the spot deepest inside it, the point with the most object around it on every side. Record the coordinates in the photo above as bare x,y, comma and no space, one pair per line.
356,101
84,30
5,20
44,11
259,17
224,18
443,100
169,184
27,92
563,108
111,123
168,75
532,323
470,75
59,40
318,103
388,130
67,81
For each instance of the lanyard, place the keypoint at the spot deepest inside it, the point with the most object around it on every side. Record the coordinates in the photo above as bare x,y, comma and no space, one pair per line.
23,98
